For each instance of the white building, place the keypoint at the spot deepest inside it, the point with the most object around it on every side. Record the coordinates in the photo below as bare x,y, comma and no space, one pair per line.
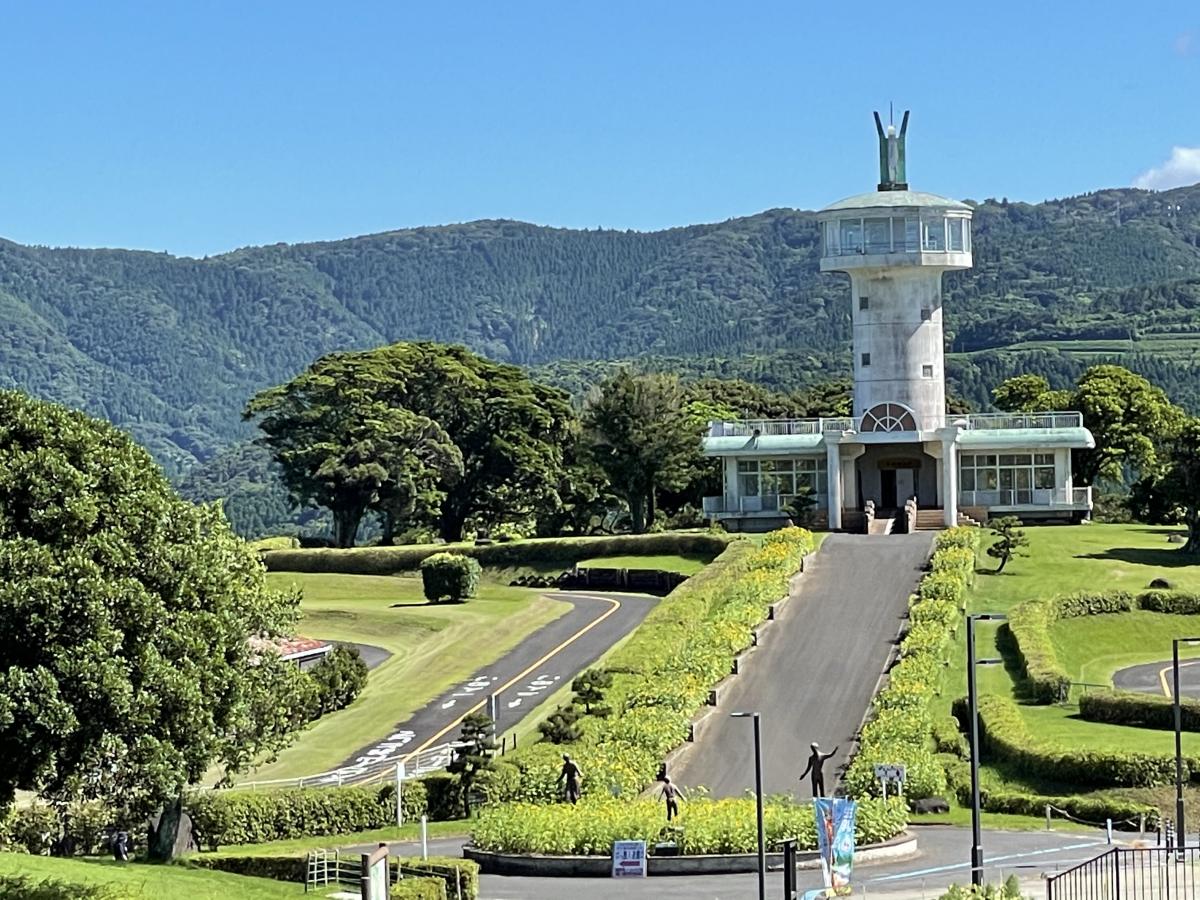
901,445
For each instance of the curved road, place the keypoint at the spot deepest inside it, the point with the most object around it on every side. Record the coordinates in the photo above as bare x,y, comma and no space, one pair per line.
816,670
546,660
1157,677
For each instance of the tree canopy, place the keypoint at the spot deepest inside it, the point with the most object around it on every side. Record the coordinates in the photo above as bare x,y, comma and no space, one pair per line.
134,626
416,430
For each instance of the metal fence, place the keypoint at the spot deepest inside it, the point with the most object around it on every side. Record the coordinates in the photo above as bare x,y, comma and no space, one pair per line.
1136,873
378,765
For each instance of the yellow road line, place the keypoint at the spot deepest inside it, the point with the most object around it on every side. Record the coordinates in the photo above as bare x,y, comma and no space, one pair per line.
616,604
1162,675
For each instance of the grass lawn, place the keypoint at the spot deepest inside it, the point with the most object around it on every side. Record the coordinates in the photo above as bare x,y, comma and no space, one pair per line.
685,565
1072,558
152,881
433,646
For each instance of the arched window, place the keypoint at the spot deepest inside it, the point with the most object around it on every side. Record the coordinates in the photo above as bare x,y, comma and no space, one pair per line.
888,417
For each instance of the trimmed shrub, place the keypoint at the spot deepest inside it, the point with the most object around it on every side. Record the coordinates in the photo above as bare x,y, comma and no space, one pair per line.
1124,813
453,873
418,888
1178,603
438,876
257,816
541,553
709,826
21,887
1005,736
1140,710
450,576
338,679
84,829
947,738
277,868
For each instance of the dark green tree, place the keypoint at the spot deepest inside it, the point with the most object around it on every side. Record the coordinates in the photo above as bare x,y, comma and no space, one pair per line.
589,690
478,746
1022,393
135,628
338,679
1181,483
562,726
642,434
1009,540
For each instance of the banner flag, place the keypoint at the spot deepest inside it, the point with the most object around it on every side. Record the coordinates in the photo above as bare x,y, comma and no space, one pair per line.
835,841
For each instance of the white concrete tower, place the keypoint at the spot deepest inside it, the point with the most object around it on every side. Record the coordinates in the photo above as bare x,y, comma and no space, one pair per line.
895,244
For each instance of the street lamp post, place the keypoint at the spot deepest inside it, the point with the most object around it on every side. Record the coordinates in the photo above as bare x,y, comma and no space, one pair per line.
973,703
758,798
1180,828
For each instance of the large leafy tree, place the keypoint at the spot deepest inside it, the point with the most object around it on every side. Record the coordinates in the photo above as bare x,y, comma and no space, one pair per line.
1128,416
642,433
482,442
1180,485
132,623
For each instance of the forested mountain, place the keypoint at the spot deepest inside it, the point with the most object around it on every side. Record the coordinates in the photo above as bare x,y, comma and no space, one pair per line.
171,348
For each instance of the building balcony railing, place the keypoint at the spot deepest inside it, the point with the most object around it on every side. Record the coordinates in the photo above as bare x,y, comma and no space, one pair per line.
973,422
730,505
760,427
1002,421
1050,498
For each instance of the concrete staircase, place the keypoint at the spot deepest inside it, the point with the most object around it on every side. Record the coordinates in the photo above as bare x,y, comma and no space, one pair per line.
884,522
930,519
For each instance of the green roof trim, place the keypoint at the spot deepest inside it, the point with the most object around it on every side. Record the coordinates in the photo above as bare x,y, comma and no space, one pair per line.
1027,438
764,445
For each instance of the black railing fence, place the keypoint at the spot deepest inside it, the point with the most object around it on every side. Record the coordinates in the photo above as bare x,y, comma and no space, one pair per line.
1131,873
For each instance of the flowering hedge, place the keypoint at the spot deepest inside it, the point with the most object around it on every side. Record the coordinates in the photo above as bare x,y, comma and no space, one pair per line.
663,674
709,826
900,728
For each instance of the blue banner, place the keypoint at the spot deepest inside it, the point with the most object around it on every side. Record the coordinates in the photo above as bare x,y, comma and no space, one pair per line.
835,841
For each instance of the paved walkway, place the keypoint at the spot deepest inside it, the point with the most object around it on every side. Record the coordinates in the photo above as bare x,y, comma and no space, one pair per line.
817,668
1158,678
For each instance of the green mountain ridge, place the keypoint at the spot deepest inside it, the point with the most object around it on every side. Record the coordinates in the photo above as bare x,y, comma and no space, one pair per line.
171,348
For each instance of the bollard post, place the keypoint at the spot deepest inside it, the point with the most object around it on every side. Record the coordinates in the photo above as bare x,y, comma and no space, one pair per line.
1108,830
424,839
789,869
1047,816
1141,825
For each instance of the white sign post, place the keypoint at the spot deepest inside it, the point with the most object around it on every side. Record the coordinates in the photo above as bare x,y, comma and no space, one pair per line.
399,794
894,773
629,859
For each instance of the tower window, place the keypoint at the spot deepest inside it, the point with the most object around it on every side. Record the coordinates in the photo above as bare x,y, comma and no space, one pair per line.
926,371
864,302
926,313
866,359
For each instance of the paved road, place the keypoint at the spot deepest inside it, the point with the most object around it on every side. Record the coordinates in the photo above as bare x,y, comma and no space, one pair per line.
942,860
549,658
1157,677
816,671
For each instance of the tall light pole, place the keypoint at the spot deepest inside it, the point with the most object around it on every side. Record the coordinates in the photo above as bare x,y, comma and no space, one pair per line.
1180,828
973,703
758,798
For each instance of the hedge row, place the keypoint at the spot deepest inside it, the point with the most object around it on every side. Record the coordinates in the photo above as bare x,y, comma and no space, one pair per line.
1004,735
1140,710
563,552
662,674
440,876
23,887
708,826
1124,813
84,829
257,816
900,727
1028,630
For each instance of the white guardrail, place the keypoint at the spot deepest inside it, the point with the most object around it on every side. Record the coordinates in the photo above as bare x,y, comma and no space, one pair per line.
364,770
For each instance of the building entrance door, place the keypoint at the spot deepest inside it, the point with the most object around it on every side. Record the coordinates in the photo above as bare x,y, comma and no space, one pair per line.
887,489
906,485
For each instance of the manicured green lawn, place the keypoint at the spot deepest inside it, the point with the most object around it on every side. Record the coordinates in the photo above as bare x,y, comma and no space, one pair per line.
154,881
685,565
433,647
1064,559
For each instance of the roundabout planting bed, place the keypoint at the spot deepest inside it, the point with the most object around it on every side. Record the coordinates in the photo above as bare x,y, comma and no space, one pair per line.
705,828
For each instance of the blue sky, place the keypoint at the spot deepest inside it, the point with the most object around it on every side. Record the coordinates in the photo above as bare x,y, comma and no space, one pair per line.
201,127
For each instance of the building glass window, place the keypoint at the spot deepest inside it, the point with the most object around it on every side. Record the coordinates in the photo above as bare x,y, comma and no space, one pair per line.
851,237
879,235
1008,479
866,359
864,302
784,479
954,234
933,233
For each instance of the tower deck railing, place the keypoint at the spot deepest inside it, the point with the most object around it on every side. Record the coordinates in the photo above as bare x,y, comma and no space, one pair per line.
836,425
